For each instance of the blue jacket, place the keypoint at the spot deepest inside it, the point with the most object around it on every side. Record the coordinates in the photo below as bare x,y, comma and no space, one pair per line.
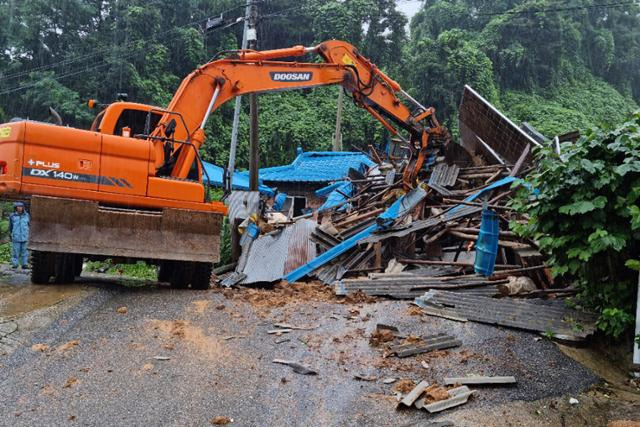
19,227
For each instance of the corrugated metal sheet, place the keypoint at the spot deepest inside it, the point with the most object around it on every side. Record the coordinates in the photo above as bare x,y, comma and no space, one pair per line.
444,175
274,255
301,248
479,119
242,204
409,289
318,166
523,314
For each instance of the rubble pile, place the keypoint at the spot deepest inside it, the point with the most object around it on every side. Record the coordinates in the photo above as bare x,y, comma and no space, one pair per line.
432,242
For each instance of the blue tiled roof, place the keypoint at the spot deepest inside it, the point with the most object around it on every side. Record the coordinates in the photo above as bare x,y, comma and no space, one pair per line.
317,166
240,179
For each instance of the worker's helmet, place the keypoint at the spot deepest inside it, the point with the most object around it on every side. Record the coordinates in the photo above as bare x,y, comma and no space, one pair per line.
18,204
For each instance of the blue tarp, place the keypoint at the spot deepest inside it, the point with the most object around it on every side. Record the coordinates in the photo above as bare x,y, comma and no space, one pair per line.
336,192
499,183
240,179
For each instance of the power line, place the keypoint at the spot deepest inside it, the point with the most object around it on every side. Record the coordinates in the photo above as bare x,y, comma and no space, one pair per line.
561,9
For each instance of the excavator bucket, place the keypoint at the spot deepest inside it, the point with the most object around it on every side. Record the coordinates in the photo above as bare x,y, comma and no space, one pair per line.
84,227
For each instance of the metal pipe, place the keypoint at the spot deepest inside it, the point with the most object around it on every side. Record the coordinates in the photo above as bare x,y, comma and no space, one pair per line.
410,98
214,98
556,142
491,150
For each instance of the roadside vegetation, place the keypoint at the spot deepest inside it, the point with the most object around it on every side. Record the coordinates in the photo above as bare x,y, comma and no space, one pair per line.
139,270
585,215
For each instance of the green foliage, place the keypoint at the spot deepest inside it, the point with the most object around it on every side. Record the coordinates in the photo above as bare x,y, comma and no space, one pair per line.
585,215
558,71
5,253
139,270
560,108
614,321
225,243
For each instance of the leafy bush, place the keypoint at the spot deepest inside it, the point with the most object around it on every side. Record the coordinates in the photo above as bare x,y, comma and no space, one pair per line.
585,216
5,252
140,269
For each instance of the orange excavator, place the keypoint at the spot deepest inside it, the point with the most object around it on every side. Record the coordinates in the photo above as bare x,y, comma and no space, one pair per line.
131,187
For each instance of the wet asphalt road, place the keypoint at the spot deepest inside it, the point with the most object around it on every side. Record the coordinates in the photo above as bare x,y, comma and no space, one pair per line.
101,367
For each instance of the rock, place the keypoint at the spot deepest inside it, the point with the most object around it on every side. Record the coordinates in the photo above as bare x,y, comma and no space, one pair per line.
573,401
220,420
122,310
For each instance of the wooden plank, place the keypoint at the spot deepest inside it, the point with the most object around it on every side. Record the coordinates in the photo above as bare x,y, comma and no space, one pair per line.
479,380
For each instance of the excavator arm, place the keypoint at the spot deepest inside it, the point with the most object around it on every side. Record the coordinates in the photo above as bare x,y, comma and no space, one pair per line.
180,132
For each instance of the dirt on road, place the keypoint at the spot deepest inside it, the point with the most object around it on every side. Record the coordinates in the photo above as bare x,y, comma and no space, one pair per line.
101,353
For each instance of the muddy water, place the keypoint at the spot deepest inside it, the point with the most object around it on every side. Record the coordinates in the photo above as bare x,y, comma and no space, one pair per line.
17,299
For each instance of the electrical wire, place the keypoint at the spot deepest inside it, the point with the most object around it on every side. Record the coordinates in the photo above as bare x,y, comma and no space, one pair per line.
562,9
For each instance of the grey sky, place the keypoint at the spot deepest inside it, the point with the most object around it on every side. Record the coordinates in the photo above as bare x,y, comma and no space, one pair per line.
408,7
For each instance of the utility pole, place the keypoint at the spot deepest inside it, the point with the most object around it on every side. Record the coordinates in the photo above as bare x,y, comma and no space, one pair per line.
236,112
337,138
254,159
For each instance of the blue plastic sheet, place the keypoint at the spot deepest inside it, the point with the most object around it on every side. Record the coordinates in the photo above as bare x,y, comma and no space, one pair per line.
336,196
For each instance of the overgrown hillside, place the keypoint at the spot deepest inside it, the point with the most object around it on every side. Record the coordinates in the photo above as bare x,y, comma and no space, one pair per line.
558,64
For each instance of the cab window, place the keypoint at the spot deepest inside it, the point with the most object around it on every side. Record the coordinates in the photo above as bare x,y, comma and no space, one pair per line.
135,119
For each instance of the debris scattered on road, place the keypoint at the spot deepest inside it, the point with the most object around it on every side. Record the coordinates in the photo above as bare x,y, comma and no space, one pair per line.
230,337
71,381
573,401
300,328
122,310
389,380
282,340
361,377
458,396
426,344
279,331
297,367
404,386
380,336
147,367
556,320
414,394
161,358
68,346
220,420
40,347
479,380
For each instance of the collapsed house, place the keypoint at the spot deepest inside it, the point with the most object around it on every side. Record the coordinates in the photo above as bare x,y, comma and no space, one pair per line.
446,244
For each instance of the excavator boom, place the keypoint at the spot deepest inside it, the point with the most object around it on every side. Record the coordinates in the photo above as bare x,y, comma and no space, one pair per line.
213,84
